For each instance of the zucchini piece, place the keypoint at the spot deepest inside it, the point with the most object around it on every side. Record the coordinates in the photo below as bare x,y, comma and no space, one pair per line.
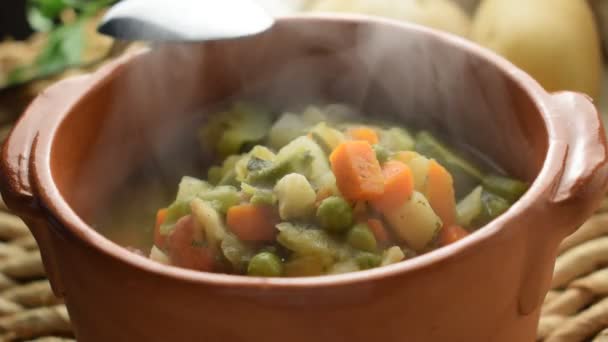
466,175
345,266
313,115
236,252
221,198
258,158
298,162
469,208
175,211
259,196
308,241
326,137
319,164
419,166
508,188
415,222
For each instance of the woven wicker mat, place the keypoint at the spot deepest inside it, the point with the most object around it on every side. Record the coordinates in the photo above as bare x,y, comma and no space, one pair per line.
575,310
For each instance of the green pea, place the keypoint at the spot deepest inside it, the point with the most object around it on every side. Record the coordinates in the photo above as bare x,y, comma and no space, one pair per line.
382,154
265,264
361,237
335,214
367,260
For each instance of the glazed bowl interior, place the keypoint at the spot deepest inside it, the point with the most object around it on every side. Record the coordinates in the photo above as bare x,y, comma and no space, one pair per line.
140,123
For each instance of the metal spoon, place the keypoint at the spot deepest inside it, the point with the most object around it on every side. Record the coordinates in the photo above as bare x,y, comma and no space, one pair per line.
184,20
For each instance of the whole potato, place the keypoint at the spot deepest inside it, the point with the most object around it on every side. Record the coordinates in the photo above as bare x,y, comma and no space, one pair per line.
555,41
439,14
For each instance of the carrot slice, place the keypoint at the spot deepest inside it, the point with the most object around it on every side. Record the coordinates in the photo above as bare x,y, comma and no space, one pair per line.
377,227
358,173
405,156
398,186
186,246
452,234
253,222
363,133
440,193
160,239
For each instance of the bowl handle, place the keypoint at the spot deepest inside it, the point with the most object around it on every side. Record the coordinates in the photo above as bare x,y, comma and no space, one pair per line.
578,158
17,161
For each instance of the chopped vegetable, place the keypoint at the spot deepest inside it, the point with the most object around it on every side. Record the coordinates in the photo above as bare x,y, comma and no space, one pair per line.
296,197
507,188
451,234
265,264
377,228
159,256
210,220
440,193
415,222
335,214
357,170
304,266
362,238
419,166
323,197
221,197
364,134
187,248
253,222
236,252
308,241
159,239
392,255
469,208
398,186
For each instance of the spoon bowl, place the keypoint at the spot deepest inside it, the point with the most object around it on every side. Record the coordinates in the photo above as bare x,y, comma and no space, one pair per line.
185,20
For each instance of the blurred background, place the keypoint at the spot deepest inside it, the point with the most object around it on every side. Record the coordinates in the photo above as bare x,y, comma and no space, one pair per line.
561,43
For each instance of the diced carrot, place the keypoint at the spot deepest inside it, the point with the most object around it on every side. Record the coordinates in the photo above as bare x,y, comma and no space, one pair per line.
405,156
358,173
322,194
398,186
363,133
159,239
377,227
186,247
440,193
360,211
451,234
253,222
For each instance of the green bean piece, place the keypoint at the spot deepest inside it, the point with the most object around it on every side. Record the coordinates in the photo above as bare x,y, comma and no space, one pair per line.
335,214
382,154
265,264
367,260
492,206
362,238
508,188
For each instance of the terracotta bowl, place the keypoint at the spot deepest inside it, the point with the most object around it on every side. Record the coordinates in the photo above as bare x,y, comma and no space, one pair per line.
82,139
